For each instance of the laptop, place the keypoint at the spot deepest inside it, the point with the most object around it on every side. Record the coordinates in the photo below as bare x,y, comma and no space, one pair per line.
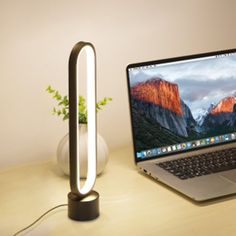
183,118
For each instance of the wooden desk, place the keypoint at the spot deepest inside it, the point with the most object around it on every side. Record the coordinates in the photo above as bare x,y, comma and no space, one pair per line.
131,204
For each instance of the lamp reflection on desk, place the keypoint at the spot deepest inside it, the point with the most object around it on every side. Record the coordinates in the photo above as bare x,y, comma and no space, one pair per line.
83,202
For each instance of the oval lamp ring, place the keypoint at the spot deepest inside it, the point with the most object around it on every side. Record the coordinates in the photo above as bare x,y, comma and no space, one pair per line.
74,119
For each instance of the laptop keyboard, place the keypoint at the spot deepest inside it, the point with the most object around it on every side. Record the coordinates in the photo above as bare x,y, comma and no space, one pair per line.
199,165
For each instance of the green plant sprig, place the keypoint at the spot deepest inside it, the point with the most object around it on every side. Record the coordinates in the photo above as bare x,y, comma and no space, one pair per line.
62,108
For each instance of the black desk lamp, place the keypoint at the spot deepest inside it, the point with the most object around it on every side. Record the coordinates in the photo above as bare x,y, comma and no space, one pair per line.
83,202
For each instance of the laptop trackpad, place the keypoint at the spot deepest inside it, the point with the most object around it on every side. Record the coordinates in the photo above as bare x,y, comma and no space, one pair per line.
231,176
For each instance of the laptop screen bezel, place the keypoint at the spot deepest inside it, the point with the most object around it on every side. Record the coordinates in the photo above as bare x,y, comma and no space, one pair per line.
161,61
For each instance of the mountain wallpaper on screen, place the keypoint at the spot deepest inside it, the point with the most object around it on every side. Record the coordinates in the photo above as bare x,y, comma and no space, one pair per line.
161,117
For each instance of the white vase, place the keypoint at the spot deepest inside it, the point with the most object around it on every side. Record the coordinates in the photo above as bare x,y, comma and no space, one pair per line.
63,153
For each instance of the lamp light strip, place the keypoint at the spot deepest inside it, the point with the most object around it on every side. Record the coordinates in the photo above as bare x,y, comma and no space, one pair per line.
91,123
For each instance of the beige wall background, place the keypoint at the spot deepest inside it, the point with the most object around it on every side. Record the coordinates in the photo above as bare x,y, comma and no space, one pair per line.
37,36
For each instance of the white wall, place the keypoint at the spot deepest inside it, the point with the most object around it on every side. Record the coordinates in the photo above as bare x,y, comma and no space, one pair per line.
37,36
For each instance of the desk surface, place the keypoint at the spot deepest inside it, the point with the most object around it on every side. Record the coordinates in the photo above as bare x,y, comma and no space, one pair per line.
130,204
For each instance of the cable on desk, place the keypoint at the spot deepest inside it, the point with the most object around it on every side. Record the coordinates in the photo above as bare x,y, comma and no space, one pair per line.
27,227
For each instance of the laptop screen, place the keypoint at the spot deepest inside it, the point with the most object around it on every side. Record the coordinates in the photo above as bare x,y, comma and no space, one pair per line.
181,104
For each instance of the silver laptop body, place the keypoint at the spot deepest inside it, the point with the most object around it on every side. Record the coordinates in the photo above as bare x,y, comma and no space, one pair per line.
182,108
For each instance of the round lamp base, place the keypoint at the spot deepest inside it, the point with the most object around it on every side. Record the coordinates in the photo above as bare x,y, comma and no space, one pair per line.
83,209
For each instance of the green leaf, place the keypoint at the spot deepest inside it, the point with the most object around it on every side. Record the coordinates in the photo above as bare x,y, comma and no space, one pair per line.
66,116
64,111
49,89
